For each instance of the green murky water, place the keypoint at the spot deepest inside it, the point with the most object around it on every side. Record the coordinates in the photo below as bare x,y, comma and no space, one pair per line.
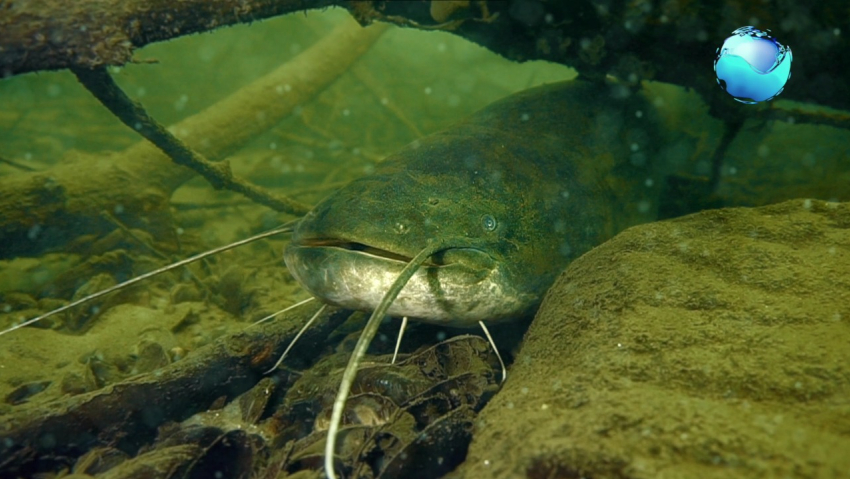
56,377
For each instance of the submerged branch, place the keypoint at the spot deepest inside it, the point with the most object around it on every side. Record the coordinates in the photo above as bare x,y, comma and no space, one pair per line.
46,209
53,35
133,114
626,39
228,367
837,119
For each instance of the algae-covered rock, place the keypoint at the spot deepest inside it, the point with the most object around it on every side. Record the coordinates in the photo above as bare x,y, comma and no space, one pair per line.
715,345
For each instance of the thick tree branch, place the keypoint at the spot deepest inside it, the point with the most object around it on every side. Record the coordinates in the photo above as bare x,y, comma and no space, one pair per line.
55,34
42,210
672,41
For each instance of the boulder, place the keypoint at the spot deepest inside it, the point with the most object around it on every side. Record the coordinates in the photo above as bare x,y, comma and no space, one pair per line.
714,345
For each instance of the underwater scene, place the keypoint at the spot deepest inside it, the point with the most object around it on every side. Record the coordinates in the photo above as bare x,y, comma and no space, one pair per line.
424,239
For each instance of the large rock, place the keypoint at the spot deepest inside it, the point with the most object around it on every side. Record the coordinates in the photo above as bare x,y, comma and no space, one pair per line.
715,345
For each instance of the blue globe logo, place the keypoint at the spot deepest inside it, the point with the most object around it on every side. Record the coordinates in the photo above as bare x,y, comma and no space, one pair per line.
752,66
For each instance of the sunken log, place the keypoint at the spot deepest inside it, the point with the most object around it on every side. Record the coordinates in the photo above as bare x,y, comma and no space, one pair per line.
672,41
42,210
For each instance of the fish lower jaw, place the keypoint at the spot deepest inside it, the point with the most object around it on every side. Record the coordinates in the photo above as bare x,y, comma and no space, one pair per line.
454,295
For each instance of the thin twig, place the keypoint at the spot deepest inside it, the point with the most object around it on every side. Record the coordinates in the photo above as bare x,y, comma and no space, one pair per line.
838,119
730,132
129,232
313,143
16,164
145,244
131,113
368,80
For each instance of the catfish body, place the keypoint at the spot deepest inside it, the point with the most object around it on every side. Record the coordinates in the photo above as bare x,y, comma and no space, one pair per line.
517,190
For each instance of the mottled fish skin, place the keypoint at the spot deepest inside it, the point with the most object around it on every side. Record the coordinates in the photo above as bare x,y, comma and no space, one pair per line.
522,187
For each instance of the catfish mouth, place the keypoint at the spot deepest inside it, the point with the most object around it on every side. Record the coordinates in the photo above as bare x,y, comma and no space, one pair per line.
436,260
459,285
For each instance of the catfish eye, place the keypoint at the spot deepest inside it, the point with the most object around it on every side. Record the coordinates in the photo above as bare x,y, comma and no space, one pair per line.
488,222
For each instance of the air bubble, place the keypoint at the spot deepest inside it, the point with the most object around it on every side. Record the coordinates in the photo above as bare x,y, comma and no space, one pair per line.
560,226
180,104
34,231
